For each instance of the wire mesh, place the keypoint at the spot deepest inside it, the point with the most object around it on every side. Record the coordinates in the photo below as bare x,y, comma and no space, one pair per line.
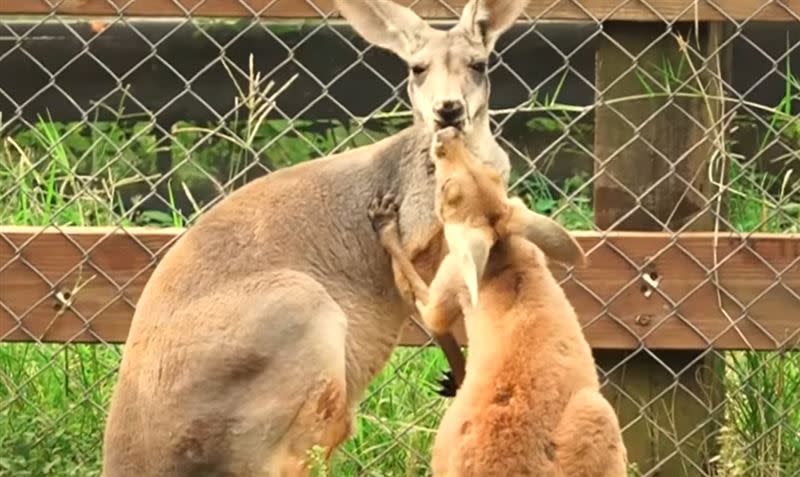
124,122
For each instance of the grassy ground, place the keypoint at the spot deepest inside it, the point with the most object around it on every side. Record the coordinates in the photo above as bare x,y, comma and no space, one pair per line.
53,400
53,397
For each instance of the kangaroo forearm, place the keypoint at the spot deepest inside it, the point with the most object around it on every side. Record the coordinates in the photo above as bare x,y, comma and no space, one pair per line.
441,312
455,358
390,240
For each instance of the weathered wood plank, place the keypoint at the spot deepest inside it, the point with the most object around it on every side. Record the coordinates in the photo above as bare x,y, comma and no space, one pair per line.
109,269
651,10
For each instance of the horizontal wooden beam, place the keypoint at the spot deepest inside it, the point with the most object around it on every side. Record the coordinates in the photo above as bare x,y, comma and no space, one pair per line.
81,285
581,10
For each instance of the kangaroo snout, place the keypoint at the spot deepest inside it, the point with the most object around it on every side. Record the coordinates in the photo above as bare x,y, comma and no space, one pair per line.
449,112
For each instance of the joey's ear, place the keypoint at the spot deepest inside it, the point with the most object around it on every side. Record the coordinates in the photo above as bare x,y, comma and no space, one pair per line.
470,246
559,245
488,19
552,238
386,24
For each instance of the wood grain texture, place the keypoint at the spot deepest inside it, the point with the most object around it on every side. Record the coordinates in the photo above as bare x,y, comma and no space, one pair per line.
110,268
646,10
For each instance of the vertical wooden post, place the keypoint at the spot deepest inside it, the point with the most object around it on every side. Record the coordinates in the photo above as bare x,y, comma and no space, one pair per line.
672,429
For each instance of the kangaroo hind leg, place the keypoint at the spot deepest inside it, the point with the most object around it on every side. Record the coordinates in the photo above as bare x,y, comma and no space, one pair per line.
305,383
588,441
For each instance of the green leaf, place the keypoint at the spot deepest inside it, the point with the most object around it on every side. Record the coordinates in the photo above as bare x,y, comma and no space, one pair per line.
157,216
544,204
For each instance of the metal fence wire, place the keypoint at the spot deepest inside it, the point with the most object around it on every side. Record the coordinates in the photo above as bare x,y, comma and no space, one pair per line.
128,121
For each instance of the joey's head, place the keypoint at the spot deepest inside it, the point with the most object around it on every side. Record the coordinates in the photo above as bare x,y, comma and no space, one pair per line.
448,81
467,190
470,200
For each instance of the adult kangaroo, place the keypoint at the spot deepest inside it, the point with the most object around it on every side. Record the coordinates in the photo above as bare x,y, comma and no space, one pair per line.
261,327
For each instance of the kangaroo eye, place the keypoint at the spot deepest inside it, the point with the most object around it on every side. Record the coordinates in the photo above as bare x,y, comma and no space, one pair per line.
418,69
478,66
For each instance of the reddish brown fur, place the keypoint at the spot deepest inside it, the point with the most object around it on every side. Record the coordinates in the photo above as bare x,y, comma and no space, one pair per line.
471,202
530,404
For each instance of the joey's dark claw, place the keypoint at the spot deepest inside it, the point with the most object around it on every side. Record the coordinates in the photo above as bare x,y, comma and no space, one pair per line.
373,212
388,203
448,385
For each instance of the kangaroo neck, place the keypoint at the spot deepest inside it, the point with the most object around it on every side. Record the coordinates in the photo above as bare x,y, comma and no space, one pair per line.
480,139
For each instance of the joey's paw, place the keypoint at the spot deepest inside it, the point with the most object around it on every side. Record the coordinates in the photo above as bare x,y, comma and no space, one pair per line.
443,138
382,212
448,134
448,386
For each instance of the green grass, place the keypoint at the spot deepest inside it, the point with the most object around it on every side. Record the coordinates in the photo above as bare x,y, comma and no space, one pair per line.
762,438
762,435
398,420
52,408
53,402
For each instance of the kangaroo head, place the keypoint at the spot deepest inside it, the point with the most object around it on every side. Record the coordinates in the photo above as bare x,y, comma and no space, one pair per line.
448,81
473,205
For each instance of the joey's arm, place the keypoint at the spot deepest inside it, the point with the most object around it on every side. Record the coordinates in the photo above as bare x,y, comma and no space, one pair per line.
383,213
390,240
447,295
458,365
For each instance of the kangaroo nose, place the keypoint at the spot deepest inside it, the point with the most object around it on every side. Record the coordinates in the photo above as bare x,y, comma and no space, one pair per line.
449,112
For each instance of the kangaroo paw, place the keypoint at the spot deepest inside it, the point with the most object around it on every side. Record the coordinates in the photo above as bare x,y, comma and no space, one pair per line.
448,385
382,211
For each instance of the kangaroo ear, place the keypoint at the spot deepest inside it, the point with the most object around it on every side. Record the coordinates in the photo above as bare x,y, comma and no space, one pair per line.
553,239
488,19
386,24
560,245
471,248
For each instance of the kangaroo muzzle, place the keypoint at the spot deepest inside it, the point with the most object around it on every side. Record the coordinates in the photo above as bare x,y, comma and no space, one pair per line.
450,113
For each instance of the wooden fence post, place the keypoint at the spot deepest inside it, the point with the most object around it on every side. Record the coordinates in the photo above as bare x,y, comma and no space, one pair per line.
672,428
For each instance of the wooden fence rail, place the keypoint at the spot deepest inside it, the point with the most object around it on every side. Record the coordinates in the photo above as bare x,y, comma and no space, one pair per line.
81,284
581,10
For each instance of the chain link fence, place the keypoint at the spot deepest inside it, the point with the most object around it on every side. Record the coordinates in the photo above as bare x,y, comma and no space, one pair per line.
674,127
